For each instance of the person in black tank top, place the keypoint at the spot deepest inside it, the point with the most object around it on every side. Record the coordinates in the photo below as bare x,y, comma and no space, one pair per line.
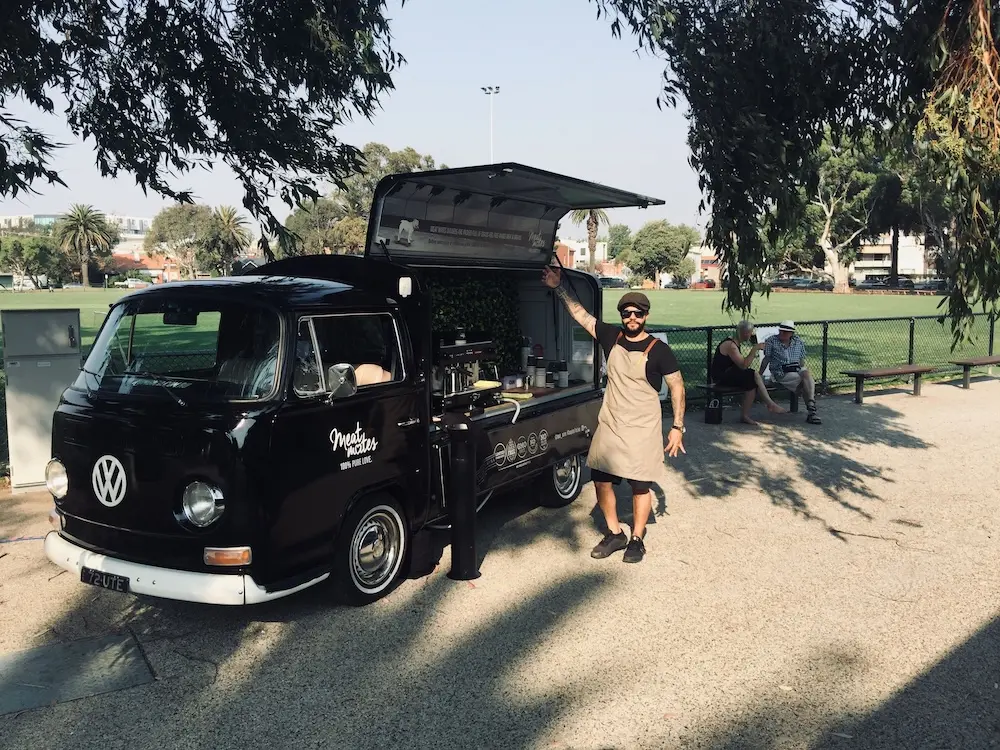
730,369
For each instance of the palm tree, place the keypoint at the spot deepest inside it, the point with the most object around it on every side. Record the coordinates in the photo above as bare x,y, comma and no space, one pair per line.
82,231
234,239
593,217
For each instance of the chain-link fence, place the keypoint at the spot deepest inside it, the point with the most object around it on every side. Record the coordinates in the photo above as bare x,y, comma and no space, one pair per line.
836,345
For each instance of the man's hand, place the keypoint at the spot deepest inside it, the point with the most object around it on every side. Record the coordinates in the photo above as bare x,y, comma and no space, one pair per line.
551,277
675,442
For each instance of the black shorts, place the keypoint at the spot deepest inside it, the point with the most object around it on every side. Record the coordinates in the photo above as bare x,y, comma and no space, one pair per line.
638,488
734,377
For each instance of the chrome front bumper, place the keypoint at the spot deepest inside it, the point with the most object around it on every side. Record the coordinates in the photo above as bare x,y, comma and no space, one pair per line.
183,585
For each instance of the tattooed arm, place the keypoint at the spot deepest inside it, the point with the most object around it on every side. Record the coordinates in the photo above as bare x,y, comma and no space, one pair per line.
553,278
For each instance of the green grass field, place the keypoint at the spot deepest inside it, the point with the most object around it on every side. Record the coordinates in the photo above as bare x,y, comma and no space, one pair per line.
848,344
688,307
670,307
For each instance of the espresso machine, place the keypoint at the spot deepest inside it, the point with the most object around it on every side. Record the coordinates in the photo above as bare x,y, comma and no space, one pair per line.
458,366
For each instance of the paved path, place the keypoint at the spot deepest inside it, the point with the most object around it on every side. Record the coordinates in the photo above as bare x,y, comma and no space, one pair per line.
834,586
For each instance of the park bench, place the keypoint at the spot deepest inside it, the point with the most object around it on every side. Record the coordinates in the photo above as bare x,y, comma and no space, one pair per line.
763,333
860,376
772,387
968,364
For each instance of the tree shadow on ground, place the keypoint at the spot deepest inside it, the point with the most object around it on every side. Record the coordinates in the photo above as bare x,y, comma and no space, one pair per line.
951,705
788,459
437,663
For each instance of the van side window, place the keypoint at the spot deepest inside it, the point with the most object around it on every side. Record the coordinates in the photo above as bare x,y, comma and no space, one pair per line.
368,342
306,377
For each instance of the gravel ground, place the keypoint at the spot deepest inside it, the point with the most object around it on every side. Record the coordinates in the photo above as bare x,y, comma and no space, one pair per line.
832,586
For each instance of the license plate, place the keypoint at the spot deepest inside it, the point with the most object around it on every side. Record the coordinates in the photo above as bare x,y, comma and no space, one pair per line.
103,580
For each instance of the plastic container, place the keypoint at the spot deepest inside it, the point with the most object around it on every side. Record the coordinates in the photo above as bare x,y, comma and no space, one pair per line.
563,374
530,370
525,351
540,372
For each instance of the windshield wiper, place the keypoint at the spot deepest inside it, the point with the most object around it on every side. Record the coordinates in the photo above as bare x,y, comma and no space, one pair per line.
158,381
95,376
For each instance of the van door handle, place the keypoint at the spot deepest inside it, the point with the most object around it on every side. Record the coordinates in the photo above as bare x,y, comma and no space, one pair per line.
408,422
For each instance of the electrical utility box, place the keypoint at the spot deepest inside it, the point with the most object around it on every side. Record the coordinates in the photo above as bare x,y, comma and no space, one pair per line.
41,358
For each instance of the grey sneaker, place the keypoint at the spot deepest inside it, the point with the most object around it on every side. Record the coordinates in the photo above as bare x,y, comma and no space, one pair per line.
610,544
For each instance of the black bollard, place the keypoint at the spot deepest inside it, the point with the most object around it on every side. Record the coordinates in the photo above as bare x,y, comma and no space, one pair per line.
462,504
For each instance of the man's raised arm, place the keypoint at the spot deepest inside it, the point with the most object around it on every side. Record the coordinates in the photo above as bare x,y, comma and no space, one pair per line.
553,278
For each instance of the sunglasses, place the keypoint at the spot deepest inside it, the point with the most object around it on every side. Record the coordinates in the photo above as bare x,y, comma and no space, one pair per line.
626,314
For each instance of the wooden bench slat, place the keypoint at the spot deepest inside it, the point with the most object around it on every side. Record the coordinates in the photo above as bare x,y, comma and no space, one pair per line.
860,376
890,371
975,361
723,390
968,364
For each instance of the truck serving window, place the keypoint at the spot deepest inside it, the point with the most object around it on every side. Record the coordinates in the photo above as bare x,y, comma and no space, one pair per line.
368,342
190,349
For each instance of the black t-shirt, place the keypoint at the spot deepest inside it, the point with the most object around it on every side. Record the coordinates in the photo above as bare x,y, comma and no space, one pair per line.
660,362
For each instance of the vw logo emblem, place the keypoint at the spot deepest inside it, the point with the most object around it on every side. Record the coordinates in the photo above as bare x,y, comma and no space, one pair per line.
109,480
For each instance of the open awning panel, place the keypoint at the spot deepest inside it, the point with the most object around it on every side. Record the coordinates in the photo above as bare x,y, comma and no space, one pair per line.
497,215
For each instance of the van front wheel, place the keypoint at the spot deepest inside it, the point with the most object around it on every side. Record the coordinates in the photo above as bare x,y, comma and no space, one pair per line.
561,484
370,550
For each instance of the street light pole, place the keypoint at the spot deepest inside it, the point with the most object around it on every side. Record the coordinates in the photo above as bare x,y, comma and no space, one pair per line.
491,91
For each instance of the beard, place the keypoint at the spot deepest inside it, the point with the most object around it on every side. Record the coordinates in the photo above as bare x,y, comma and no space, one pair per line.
634,332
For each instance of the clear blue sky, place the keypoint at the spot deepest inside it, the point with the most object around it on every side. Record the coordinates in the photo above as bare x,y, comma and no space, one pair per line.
573,99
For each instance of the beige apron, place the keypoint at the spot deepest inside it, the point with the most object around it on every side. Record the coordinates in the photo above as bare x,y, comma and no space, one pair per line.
628,442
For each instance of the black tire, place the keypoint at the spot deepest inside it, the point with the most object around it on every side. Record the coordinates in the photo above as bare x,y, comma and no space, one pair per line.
560,484
371,550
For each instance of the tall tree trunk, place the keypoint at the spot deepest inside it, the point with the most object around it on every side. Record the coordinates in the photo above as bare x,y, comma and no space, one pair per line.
85,268
894,256
841,272
592,240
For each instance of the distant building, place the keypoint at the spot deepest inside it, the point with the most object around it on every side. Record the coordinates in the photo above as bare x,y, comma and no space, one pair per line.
581,251
875,259
159,268
24,221
565,254
128,226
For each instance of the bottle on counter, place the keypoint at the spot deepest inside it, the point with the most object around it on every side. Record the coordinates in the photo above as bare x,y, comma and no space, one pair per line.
550,379
525,351
530,370
540,372
563,374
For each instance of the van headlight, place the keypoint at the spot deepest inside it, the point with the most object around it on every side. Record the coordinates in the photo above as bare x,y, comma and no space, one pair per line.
56,479
202,504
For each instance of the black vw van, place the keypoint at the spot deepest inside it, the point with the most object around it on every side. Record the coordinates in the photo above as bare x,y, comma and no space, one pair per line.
236,440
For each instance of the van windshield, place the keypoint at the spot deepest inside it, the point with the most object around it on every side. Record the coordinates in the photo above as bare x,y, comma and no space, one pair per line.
185,350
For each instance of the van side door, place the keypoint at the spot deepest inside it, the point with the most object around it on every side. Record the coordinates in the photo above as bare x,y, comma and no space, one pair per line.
332,451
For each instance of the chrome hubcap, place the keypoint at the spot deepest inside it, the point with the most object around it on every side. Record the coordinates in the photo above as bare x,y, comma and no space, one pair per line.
375,549
566,475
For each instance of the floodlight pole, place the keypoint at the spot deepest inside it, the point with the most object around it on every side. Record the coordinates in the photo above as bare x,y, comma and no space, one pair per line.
491,91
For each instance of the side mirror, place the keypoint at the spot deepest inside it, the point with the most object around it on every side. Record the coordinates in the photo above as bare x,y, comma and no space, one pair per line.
341,381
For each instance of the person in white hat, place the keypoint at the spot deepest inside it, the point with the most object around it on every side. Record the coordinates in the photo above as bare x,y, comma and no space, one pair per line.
785,355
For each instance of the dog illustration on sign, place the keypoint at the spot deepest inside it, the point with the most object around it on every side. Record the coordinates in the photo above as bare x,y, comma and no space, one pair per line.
406,227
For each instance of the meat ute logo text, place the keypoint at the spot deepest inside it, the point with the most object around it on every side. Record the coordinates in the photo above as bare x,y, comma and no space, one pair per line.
356,446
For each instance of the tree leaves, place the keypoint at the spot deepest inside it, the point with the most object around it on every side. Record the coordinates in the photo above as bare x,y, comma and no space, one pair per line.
338,222
660,246
86,233
619,240
164,88
763,80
